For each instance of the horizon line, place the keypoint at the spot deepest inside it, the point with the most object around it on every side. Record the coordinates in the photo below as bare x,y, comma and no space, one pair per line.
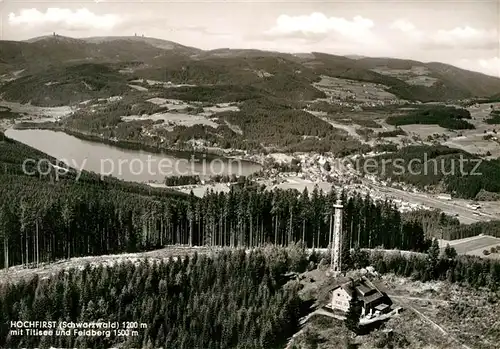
142,36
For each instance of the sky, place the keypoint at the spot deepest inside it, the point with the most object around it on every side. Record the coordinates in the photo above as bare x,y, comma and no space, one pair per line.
463,33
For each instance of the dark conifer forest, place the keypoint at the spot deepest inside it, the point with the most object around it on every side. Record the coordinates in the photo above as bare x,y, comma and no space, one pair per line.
232,300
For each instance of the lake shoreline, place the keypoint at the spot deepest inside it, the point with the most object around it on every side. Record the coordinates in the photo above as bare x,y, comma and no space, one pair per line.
136,146
126,163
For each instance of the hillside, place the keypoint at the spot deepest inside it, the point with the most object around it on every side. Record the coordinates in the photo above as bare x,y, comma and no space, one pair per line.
168,61
453,79
158,43
439,168
66,85
38,53
275,97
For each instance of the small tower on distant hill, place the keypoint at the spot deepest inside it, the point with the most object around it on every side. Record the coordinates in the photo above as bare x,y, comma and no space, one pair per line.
336,259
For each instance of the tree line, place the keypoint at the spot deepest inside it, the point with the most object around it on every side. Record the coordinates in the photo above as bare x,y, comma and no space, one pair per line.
465,270
444,116
468,230
46,223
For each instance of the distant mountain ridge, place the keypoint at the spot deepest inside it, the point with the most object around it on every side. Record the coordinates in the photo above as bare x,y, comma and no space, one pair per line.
151,58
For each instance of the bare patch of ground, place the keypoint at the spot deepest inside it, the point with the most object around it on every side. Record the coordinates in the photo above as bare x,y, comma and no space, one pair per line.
11,76
198,190
263,74
16,273
234,128
167,84
296,182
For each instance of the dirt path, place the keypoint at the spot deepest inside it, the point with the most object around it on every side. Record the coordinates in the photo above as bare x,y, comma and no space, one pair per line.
302,323
418,299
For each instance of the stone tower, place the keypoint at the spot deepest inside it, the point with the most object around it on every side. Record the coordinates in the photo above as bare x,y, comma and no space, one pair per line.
336,260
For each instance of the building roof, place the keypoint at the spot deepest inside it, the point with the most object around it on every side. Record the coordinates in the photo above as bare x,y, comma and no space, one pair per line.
367,292
372,297
381,307
364,289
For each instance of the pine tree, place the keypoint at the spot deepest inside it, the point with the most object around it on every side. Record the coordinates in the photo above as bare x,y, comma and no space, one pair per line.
450,252
190,216
305,211
433,257
354,313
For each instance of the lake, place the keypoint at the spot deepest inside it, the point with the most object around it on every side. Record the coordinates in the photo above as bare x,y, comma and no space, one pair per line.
129,165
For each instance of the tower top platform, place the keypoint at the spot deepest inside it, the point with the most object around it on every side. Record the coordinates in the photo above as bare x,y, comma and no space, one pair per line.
338,204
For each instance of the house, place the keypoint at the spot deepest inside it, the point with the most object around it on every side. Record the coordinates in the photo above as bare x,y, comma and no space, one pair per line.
446,197
373,300
474,206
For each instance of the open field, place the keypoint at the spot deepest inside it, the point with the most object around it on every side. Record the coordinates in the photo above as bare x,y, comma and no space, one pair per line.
174,119
344,89
416,75
423,131
32,110
474,245
471,141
